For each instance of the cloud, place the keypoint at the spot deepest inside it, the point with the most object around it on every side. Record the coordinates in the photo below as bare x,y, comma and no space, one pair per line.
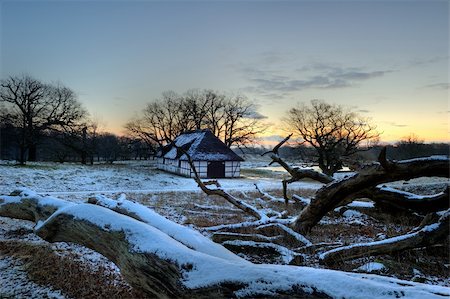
426,61
313,76
363,111
274,138
438,86
257,115
395,124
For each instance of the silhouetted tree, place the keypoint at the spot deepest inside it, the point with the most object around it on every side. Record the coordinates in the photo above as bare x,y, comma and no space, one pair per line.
34,107
234,119
333,132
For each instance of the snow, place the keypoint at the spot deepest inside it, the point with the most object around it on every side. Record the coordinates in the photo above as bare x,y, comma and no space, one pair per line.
361,204
353,214
76,181
208,270
408,195
187,236
431,158
385,241
13,275
371,267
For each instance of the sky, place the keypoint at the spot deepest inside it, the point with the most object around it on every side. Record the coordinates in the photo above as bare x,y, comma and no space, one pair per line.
387,60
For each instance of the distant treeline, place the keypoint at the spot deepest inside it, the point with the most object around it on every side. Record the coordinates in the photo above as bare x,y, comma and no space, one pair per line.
102,147
107,147
398,151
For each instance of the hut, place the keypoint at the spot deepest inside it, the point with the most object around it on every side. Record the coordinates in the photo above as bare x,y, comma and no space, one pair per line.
211,157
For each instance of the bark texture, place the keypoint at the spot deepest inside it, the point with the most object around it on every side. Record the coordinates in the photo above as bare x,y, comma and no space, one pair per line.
387,199
428,235
161,267
331,195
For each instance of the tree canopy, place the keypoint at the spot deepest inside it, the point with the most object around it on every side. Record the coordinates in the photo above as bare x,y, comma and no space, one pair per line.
332,130
233,119
34,107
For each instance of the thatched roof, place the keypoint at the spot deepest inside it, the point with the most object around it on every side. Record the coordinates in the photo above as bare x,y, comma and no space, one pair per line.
201,145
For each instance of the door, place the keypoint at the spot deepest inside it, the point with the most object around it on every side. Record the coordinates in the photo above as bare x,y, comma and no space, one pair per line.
216,169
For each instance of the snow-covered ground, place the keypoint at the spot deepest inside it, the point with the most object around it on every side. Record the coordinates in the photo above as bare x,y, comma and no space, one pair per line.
75,182
121,177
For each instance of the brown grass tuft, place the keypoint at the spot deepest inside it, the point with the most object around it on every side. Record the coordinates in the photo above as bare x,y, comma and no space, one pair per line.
63,273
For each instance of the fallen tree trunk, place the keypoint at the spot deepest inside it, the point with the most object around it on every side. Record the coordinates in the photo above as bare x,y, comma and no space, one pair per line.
331,195
426,236
28,205
388,198
189,237
155,263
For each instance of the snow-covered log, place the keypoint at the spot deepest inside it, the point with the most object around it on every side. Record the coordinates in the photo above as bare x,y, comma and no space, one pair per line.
26,204
221,237
426,236
331,195
287,256
187,236
162,267
157,264
388,198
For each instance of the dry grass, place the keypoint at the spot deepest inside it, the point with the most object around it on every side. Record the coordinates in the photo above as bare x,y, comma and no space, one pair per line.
195,208
63,273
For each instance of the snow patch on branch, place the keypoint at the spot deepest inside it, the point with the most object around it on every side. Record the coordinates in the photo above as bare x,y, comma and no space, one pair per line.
427,228
431,158
408,195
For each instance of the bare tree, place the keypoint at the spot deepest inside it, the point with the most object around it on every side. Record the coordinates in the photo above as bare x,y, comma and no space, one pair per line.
242,121
410,146
233,119
333,131
35,107
161,120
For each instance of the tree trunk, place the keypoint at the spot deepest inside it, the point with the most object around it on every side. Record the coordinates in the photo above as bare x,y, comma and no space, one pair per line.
32,152
161,267
392,199
428,235
331,195
22,152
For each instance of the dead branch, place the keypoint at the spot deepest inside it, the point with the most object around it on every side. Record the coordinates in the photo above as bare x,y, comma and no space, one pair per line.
429,235
162,267
295,172
281,229
249,209
266,196
221,237
287,256
331,195
389,198
277,147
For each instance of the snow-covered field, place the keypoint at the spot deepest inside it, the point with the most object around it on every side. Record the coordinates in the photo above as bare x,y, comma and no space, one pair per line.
79,181
177,198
